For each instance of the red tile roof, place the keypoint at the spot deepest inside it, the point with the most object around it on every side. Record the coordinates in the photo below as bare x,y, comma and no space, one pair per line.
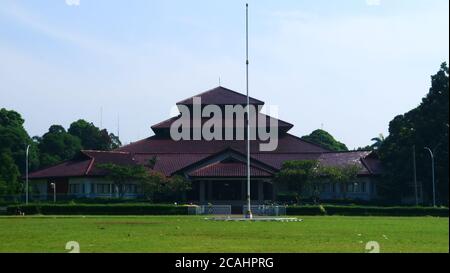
231,169
179,156
282,125
170,163
343,159
85,164
66,169
154,145
221,96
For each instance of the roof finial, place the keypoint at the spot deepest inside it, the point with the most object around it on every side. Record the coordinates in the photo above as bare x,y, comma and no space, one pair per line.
219,82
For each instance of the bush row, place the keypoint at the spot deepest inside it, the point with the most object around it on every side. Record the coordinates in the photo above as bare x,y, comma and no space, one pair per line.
91,209
158,209
366,211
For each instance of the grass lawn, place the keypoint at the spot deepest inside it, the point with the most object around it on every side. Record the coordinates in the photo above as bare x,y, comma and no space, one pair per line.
194,234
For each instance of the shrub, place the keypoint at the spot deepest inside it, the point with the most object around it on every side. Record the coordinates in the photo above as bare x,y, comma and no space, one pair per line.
386,211
304,210
367,211
90,209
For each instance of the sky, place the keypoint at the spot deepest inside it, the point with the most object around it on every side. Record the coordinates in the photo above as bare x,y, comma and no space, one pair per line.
346,66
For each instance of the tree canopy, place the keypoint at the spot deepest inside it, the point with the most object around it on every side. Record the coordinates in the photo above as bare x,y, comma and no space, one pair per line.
14,139
297,174
151,182
93,138
424,126
326,140
9,175
57,145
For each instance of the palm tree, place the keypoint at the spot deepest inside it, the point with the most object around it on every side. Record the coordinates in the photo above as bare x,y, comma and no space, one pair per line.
378,141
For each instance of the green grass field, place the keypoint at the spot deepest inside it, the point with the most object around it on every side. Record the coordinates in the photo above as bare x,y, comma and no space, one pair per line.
194,234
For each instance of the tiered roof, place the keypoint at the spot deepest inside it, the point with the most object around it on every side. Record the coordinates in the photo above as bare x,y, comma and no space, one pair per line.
210,158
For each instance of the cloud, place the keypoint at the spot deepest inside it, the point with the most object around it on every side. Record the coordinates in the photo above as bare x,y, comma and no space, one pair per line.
73,2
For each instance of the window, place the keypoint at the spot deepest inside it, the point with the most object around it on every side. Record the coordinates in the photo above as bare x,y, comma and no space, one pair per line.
74,188
129,188
350,187
357,187
103,188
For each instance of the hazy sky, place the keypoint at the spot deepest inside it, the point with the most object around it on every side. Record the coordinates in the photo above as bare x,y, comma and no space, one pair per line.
351,65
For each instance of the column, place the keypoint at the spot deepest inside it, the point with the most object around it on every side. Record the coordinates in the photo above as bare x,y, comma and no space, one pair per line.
260,192
202,191
274,191
210,191
243,190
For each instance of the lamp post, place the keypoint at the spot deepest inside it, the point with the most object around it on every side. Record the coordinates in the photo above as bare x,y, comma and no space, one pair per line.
53,185
432,174
26,174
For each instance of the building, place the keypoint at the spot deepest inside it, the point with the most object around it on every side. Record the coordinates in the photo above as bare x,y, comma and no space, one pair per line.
216,168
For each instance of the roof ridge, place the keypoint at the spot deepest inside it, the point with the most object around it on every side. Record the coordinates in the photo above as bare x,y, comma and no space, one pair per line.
110,152
309,142
363,162
132,143
166,120
217,88
345,152
90,166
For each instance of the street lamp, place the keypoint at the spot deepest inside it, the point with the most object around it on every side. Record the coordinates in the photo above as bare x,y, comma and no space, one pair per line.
432,174
26,174
53,186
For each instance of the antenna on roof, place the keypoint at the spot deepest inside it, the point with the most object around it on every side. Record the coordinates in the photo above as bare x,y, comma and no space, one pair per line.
248,213
219,81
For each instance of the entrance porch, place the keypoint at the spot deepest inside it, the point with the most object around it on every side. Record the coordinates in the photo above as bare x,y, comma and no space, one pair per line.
230,191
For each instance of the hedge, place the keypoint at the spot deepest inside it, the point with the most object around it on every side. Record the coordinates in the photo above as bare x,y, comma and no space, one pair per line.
158,209
91,209
367,211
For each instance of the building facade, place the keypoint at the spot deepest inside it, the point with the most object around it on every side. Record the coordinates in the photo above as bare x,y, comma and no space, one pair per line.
217,168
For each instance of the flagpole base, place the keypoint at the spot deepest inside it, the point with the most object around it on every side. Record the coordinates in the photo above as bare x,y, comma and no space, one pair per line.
248,215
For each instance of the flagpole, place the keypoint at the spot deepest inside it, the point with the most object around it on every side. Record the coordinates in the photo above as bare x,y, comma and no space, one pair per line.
249,211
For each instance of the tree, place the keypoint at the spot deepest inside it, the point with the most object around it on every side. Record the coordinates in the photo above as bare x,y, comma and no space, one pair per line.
296,175
120,175
57,145
176,186
426,125
154,184
14,140
326,140
151,182
339,174
9,175
92,138
378,142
